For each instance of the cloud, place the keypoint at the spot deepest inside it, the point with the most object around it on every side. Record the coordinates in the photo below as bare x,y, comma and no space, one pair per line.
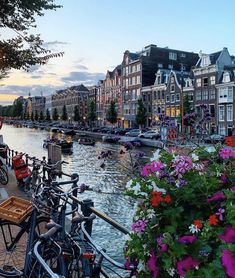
81,67
84,77
52,44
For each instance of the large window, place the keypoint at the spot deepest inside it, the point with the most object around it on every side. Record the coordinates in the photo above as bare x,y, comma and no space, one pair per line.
177,97
205,81
172,98
221,113
212,110
198,95
212,80
205,95
222,129
229,112
173,56
212,94
199,82
167,98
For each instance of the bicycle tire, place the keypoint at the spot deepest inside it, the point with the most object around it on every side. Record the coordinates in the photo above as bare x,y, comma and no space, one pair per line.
54,261
3,176
12,261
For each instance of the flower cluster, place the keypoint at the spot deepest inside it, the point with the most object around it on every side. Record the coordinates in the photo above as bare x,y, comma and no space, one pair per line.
185,219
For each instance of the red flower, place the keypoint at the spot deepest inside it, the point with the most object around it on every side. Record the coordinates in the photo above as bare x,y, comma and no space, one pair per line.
156,198
198,223
167,199
213,220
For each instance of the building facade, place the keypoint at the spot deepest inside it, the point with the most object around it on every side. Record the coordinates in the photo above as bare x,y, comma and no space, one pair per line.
38,105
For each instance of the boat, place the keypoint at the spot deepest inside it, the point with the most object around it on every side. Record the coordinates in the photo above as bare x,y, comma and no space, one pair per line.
86,141
66,146
110,139
70,132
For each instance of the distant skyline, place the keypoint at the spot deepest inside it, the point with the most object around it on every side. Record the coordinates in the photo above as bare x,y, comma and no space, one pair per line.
94,35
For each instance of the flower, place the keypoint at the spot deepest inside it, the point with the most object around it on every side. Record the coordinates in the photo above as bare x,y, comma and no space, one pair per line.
167,199
229,235
156,155
162,246
139,226
228,259
185,264
220,214
156,198
227,153
152,265
198,224
195,157
233,188
187,239
216,197
171,271
193,229
182,164
213,220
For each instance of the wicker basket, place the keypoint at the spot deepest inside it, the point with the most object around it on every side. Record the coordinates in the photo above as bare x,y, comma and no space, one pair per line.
15,209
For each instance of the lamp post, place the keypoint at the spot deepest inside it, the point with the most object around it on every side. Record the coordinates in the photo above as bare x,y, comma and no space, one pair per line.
182,100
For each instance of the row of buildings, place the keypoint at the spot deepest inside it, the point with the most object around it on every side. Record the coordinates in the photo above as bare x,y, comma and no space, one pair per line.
162,77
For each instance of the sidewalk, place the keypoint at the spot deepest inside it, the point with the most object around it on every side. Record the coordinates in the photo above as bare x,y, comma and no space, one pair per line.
11,189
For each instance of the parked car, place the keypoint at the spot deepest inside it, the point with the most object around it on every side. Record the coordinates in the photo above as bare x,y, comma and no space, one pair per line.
133,133
151,134
214,138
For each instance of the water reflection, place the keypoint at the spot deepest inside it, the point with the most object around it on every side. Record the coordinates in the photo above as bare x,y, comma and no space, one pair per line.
84,162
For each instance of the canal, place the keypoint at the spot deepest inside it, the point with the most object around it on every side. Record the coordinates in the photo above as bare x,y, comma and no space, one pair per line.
110,180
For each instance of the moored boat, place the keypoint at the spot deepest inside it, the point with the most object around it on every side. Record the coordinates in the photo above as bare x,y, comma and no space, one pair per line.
66,146
86,141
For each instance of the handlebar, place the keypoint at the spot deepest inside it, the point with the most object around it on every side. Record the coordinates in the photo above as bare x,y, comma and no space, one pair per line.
101,250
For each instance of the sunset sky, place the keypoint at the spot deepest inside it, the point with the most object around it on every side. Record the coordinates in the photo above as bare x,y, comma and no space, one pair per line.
95,33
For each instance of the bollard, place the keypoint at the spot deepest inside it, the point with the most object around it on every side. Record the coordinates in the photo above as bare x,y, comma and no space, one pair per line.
85,207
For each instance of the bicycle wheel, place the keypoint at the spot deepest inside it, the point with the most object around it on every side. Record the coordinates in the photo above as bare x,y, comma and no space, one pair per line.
53,259
3,176
12,260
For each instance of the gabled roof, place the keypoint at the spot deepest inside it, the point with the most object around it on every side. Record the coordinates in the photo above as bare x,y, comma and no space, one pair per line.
80,88
214,57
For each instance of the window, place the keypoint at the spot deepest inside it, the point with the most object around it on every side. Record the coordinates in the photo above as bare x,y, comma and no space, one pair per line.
212,110
199,82
221,113
198,95
159,79
138,92
177,110
160,66
212,94
133,81
205,95
226,77
173,56
138,67
177,97
229,113
205,81
170,66
167,98
127,70
212,80
168,111
230,94
172,98
190,96
182,55
158,95
222,129
172,88
163,95
172,111
155,95
138,79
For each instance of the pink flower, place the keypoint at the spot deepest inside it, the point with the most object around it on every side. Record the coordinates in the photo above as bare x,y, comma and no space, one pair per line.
146,171
162,246
152,265
182,164
216,197
228,262
224,178
139,226
229,235
155,166
185,264
227,153
233,187
187,239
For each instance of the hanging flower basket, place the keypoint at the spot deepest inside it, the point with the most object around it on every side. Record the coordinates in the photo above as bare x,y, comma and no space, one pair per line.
184,225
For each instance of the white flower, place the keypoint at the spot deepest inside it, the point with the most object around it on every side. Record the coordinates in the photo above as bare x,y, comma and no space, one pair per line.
193,229
136,188
156,188
141,266
150,213
156,155
195,157
128,184
171,272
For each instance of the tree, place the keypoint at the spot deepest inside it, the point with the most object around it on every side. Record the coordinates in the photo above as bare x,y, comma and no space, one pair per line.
48,116
25,49
91,111
64,114
141,115
36,115
187,110
41,118
55,115
111,115
18,108
76,115
32,116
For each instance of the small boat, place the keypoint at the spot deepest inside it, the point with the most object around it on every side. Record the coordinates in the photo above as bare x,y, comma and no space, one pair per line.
86,141
66,146
54,129
110,139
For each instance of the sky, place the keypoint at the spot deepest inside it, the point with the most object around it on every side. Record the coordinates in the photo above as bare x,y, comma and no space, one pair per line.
94,34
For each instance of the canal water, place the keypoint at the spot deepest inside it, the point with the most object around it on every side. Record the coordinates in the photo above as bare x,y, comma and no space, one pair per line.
110,180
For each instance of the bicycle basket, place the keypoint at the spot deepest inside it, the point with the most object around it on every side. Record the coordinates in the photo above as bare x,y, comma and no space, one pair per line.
15,209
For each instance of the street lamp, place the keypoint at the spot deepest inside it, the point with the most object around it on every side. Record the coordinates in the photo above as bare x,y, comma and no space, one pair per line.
182,100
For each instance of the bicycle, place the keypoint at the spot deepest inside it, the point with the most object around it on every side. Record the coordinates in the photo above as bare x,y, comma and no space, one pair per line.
4,178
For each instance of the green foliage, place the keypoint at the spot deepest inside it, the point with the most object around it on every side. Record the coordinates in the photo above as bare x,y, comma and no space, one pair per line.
175,200
55,115
141,115
76,115
25,49
48,116
91,111
111,115
64,114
